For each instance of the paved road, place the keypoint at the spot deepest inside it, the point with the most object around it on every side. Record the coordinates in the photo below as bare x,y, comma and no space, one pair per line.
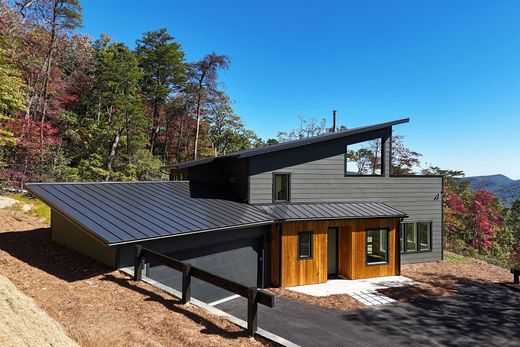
482,315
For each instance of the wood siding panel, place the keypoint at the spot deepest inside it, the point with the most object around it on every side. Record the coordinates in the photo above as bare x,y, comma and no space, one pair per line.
351,251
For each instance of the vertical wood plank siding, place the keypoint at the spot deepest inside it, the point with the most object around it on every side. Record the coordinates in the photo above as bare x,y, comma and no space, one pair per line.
351,251
317,175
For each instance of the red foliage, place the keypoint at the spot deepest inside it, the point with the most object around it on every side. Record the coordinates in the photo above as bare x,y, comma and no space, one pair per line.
33,151
484,217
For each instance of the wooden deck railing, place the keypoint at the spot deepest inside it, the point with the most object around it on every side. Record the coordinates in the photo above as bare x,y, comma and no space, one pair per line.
252,294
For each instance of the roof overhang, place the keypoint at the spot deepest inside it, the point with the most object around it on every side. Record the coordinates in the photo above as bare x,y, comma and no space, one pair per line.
290,144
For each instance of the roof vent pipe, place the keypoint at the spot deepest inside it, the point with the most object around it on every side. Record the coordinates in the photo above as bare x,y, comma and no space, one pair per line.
333,121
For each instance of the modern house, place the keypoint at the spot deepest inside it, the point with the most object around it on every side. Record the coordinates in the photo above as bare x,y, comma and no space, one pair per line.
288,214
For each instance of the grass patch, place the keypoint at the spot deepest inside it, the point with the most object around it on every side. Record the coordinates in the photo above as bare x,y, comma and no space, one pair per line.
39,208
454,258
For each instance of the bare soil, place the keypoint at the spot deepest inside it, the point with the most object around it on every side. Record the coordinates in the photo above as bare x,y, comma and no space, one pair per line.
340,301
442,278
98,306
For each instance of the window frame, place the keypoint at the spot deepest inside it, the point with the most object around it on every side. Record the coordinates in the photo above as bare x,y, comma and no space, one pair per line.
288,174
387,255
345,166
311,244
418,237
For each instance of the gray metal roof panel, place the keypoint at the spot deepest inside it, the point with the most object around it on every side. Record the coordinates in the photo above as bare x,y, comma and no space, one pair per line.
291,144
345,210
121,212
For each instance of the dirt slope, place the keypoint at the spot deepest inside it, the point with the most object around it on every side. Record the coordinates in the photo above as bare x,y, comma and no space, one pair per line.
23,323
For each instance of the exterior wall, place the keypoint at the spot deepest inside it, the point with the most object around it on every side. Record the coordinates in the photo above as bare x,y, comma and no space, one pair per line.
352,249
219,171
317,175
287,270
182,247
67,233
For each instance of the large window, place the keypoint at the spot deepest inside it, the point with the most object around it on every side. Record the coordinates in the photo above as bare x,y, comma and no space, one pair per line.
377,246
281,187
305,245
416,236
364,158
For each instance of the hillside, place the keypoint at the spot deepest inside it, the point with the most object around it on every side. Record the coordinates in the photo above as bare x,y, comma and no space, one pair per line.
506,189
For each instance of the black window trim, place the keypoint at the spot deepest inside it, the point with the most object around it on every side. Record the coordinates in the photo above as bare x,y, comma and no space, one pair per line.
288,174
387,261
382,174
417,247
311,244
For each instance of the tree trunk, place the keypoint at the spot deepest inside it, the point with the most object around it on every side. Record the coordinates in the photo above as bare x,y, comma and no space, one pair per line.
112,154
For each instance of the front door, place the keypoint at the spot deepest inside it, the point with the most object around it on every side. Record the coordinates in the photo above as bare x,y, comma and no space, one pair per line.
332,251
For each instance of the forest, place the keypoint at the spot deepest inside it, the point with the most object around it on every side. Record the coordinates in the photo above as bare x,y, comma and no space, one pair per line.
73,108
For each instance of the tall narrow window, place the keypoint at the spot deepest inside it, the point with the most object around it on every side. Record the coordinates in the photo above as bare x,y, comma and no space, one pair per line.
377,246
305,245
411,237
281,187
425,232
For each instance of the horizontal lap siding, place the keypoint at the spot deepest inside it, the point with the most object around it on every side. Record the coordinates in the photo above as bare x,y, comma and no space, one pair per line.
321,179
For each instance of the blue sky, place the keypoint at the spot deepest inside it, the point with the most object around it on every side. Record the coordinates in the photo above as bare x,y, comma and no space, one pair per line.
453,67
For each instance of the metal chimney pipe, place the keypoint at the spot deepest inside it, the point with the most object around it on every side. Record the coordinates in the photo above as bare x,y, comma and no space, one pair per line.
333,121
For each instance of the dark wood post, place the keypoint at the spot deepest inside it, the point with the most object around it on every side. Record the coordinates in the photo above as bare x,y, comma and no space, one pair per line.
252,310
138,264
516,279
186,283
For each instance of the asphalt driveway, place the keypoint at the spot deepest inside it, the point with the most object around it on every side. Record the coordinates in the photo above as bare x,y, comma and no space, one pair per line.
481,315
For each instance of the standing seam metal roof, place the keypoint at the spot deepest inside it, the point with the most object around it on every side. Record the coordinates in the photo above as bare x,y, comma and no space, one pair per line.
128,212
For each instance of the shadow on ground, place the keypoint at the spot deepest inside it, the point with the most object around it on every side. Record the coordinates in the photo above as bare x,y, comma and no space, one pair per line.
174,304
480,314
36,248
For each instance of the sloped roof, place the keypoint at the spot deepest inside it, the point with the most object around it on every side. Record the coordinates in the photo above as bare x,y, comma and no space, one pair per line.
121,212
290,144
128,212
346,210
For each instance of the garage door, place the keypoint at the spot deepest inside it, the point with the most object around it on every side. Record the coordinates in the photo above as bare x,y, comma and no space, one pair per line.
238,261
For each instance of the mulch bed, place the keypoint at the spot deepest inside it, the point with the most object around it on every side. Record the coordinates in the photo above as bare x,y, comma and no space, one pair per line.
340,301
441,278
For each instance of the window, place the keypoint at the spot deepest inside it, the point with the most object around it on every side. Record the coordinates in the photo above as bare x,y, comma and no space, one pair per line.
364,158
425,233
377,246
411,237
281,190
416,236
305,245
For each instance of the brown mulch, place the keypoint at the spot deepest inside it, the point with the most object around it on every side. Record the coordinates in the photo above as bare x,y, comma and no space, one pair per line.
98,306
441,278
340,301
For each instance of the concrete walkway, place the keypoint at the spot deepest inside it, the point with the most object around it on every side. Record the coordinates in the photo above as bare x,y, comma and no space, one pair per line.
364,291
482,315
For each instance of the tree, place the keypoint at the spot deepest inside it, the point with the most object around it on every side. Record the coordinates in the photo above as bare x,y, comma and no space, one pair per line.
57,18
307,128
226,129
404,160
162,61
117,126
364,159
202,85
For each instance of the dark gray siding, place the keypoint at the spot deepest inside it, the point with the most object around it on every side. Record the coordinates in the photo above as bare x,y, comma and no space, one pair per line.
317,175
233,254
218,172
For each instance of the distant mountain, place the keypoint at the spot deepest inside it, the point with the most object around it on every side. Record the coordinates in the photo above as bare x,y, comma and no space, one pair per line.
504,188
